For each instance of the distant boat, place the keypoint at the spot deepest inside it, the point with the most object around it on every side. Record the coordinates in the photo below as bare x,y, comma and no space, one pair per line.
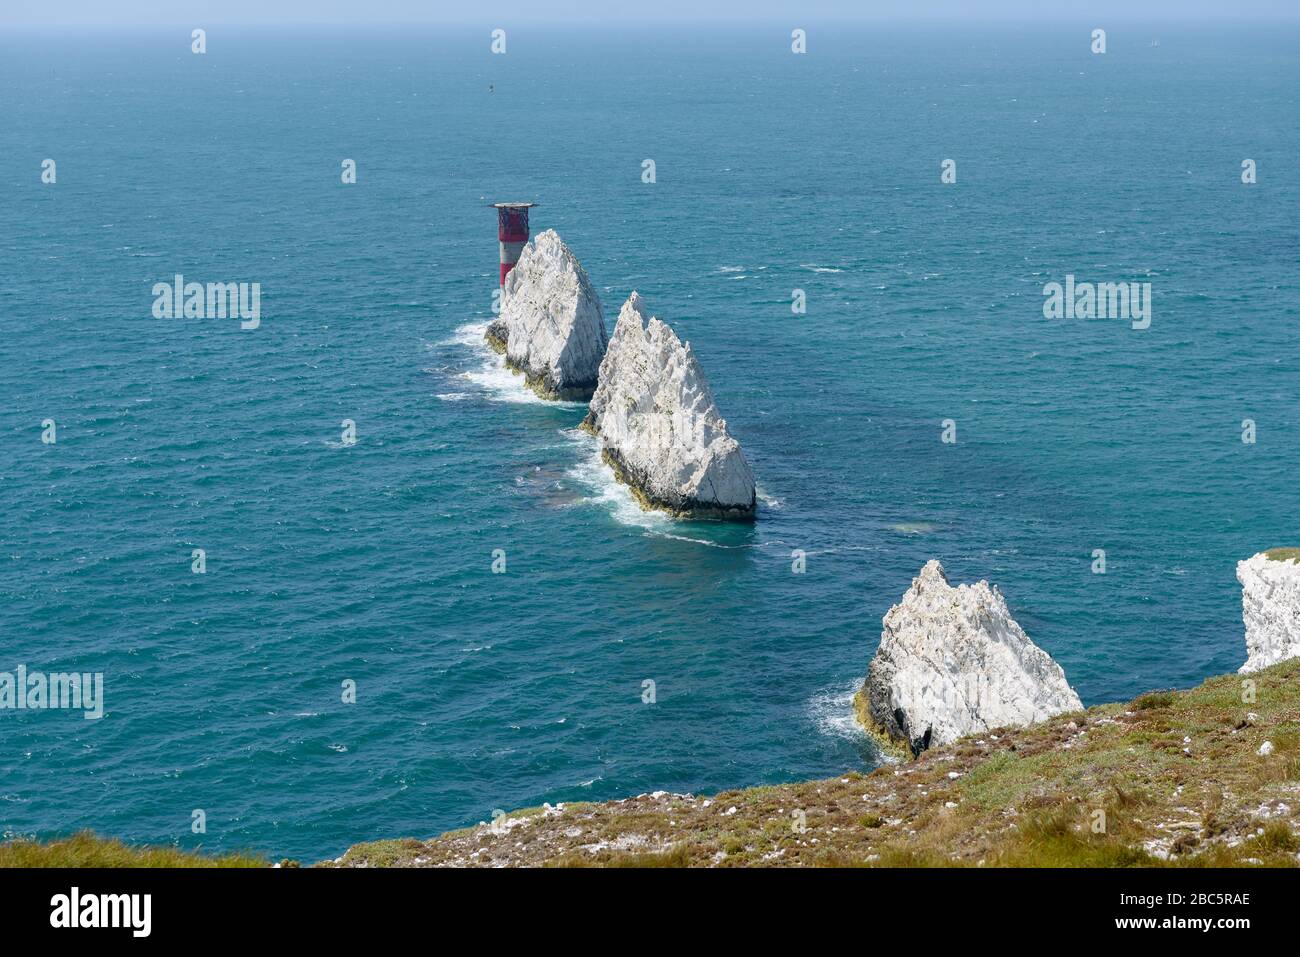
1155,43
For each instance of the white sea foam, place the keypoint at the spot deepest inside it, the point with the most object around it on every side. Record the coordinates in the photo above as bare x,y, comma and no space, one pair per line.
493,379
470,334
913,528
831,710
606,491
609,493
816,268
499,384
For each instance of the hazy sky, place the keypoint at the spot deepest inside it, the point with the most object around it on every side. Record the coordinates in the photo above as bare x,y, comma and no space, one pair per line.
134,13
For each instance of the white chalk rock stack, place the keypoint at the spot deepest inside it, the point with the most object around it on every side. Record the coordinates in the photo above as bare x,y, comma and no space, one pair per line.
659,427
551,327
953,662
1270,607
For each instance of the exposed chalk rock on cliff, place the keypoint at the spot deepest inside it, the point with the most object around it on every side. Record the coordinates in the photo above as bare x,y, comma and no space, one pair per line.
952,662
551,327
1270,607
659,428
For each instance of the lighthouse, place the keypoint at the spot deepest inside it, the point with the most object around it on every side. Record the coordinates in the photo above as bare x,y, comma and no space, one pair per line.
512,231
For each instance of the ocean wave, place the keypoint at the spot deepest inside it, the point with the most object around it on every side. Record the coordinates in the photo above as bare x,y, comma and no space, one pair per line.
913,528
607,492
493,379
470,334
831,710
658,533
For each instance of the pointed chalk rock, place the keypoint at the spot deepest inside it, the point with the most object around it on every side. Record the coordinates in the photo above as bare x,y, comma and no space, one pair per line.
1270,607
551,327
953,662
659,428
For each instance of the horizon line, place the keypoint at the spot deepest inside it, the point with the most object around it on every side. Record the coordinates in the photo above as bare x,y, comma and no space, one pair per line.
749,24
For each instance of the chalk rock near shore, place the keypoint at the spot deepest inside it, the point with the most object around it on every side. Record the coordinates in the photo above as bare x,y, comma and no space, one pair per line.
551,327
659,427
1270,607
953,662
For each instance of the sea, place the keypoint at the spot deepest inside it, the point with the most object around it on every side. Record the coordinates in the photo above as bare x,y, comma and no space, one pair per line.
346,579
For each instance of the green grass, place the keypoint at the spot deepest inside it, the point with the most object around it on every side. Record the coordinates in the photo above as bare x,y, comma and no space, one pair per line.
1061,837
1170,779
389,853
674,857
1283,554
1278,837
1154,699
87,850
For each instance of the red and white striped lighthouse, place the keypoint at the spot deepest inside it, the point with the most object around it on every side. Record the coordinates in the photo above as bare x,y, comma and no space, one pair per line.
512,230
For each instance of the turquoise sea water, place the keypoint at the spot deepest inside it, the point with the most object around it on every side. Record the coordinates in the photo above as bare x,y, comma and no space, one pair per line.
775,172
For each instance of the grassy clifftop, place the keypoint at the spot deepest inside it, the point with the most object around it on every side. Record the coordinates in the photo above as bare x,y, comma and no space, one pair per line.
87,850
1171,778
1206,777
